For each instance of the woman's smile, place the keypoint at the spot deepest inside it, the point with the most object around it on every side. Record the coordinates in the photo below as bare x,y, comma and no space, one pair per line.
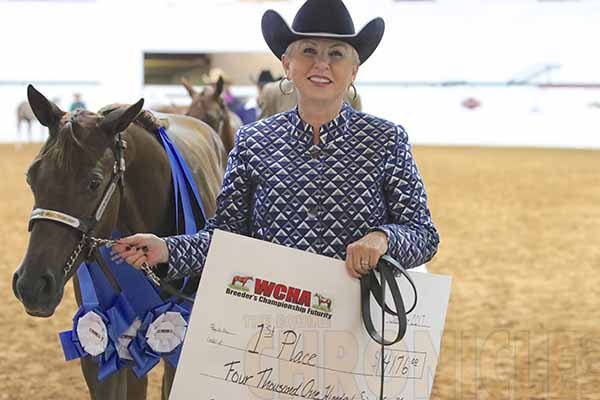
320,80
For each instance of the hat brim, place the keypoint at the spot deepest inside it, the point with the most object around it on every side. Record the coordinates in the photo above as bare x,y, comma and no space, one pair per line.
256,81
279,35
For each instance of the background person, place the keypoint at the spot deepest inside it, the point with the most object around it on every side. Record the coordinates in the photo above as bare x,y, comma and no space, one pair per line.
77,103
252,108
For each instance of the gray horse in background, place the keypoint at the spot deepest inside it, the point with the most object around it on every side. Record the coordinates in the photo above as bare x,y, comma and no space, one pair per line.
25,115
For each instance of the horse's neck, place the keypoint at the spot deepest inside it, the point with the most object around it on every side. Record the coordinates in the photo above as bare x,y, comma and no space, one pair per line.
147,203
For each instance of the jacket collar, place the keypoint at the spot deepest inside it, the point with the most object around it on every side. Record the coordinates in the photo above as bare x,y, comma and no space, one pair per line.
329,131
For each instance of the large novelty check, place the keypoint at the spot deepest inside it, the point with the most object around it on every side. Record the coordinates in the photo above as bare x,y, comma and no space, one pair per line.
272,322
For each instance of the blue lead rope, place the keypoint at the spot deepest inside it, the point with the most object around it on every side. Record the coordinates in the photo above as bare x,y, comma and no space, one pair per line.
138,298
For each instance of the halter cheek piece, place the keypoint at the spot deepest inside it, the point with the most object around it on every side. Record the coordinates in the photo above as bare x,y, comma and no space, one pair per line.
86,225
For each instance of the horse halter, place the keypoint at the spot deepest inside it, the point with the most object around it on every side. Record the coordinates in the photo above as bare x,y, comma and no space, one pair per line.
87,225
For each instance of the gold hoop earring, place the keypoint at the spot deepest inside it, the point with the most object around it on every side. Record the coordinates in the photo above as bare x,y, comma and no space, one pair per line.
281,86
353,89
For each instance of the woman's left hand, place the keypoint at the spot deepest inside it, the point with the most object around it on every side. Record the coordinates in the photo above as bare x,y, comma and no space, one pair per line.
363,255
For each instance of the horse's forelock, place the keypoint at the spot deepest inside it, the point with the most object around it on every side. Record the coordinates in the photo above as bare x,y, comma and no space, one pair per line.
85,119
70,137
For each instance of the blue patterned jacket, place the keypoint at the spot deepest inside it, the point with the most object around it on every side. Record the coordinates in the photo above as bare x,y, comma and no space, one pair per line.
280,187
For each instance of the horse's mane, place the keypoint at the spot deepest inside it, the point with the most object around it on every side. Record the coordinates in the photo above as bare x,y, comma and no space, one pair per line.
145,119
61,146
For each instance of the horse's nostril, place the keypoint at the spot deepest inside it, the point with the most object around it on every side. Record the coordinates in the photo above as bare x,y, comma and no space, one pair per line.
47,286
14,285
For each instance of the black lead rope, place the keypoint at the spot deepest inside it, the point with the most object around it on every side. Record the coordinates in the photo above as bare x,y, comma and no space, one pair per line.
369,286
383,336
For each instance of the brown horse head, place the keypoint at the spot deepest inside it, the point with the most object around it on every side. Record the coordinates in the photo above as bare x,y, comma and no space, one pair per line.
69,175
207,105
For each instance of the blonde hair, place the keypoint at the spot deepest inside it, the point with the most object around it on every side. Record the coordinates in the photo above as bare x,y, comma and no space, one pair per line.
290,49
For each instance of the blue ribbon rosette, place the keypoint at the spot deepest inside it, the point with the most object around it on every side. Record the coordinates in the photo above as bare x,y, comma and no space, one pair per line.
161,335
96,332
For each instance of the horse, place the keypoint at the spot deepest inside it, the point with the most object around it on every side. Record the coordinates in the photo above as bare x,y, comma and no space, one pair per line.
323,300
73,173
209,107
25,114
170,109
241,279
272,101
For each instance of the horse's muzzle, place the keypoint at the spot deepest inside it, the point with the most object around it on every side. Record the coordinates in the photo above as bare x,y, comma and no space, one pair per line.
39,294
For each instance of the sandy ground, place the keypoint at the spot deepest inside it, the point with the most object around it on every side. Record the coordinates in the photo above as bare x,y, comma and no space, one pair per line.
520,235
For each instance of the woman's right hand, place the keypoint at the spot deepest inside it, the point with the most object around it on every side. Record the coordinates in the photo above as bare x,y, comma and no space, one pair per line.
141,248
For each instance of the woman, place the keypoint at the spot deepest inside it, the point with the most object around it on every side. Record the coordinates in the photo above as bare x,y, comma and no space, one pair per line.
321,177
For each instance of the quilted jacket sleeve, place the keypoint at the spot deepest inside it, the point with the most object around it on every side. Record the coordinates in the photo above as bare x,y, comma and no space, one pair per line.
412,237
187,253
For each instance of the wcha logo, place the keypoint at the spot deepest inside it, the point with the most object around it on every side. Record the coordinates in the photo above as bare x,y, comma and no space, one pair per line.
280,295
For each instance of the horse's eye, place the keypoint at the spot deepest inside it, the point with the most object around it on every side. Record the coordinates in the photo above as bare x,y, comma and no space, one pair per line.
94,184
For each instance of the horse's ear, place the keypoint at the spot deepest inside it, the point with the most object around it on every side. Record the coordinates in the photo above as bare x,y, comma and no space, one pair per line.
188,86
45,111
118,120
219,87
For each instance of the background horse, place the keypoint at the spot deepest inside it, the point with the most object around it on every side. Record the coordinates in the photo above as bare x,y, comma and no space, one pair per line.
70,175
209,107
25,115
271,101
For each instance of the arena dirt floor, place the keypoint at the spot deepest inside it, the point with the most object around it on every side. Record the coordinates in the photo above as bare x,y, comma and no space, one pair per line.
520,235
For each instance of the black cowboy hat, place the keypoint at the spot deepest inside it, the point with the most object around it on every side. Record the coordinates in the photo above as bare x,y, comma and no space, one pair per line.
265,76
327,19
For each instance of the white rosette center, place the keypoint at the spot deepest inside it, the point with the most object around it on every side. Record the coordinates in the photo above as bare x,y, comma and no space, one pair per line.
166,332
92,333
126,338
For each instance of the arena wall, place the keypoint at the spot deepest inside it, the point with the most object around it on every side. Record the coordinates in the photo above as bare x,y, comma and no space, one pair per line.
96,48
